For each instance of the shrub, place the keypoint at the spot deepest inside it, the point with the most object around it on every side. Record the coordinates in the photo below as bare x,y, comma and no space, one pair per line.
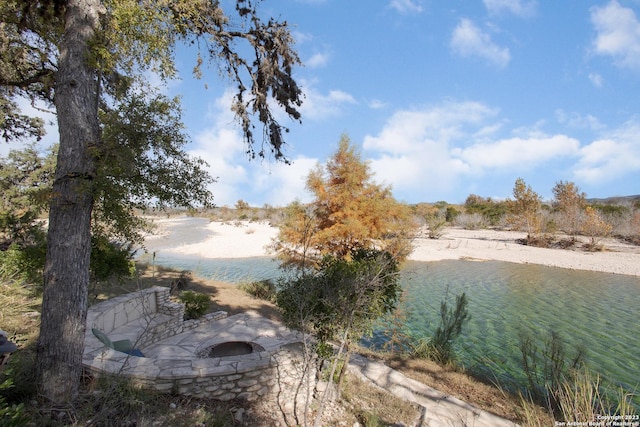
11,414
451,213
195,304
568,389
262,289
436,225
440,347
471,221
451,322
23,264
110,259
596,228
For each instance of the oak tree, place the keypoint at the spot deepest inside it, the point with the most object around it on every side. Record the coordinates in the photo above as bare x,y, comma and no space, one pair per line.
81,56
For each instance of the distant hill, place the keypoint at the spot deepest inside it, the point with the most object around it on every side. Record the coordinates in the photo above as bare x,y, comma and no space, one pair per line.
616,200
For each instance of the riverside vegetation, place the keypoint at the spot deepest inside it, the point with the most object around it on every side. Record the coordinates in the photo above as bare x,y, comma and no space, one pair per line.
303,228
20,304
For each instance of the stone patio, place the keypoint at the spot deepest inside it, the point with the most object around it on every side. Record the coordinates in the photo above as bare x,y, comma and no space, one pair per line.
171,347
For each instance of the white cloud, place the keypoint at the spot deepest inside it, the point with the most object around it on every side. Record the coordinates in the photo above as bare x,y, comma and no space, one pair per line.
413,150
406,6
317,60
424,153
596,79
618,34
376,104
282,184
468,40
257,182
613,156
222,147
301,37
317,106
579,121
408,131
516,7
517,153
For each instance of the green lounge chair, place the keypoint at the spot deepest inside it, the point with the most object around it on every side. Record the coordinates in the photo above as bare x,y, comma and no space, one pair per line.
123,346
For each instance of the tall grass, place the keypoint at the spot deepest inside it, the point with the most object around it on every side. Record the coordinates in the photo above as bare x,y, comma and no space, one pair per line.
569,390
261,289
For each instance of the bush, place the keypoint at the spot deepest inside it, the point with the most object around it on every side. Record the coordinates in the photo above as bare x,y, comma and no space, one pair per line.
451,322
436,225
11,414
23,264
262,289
470,221
110,259
195,304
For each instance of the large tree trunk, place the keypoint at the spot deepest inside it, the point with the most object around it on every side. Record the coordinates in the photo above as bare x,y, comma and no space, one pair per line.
66,275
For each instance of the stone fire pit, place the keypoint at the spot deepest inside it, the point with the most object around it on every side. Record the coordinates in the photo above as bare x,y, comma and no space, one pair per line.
244,356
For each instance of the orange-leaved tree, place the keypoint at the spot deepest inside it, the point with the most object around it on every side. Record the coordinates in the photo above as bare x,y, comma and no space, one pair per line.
349,212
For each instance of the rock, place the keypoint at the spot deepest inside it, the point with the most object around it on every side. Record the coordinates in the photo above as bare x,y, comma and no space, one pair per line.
239,415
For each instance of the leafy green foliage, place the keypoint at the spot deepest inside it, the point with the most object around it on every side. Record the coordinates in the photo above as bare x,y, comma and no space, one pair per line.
195,304
344,297
25,178
451,213
26,183
11,414
143,159
492,211
109,259
16,126
451,322
102,62
23,264
341,300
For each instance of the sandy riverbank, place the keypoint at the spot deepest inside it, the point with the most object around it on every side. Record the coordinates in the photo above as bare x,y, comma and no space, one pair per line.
250,239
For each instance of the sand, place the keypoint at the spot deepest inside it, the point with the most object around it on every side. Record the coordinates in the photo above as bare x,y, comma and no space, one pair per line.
241,239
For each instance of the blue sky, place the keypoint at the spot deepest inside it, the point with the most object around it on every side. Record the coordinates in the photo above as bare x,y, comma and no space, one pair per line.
444,99
448,98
